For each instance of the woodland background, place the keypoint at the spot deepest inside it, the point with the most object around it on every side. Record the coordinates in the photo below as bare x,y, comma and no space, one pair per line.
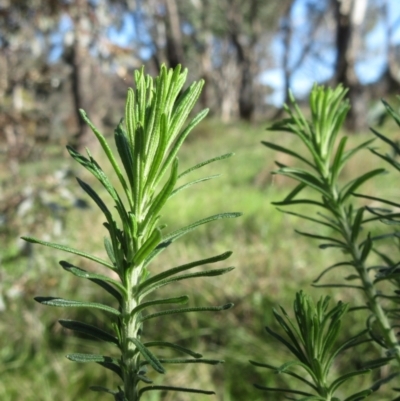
59,56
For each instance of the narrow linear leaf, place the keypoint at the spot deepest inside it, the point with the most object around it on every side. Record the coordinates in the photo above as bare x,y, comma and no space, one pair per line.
162,283
84,358
187,310
178,143
189,184
330,268
165,301
88,329
105,361
337,163
357,224
357,182
299,202
78,272
171,388
69,250
163,195
102,389
281,390
148,355
96,198
359,396
298,377
171,237
350,153
65,303
109,249
282,149
342,379
173,346
148,247
179,269
190,361
124,151
197,166
106,149
113,367
321,237
303,216
93,167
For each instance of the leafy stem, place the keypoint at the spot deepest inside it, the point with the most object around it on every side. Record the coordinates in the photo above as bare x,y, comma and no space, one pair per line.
147,142
324,161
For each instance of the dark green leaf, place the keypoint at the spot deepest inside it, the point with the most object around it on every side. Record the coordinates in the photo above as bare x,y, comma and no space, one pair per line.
125,151
357,224
342,379
185,361
165,301
148,356
76,271
88,329
351,187
171,388
161,283
179,269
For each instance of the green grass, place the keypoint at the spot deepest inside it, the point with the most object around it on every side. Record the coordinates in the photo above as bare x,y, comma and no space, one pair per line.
272,262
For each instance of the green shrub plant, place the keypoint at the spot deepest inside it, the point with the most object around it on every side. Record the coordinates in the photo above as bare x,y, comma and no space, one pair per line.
146,176
147,142
344,224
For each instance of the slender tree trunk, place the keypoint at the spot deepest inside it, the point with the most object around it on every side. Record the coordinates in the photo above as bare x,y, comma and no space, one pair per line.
246,85
349,16
80,61
206,70
393,67
287,30
175,54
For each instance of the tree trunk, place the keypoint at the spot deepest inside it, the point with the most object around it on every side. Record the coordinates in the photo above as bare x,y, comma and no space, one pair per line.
393,68
246,86
174,50
78,58
349,15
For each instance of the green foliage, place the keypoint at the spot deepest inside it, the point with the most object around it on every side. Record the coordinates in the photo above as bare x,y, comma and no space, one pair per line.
312,339
147,143
342,225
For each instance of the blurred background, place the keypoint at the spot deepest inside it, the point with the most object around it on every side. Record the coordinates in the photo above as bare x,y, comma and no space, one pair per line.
58,56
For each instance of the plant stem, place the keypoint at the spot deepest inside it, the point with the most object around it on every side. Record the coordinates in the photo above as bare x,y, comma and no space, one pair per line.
369,288
130,330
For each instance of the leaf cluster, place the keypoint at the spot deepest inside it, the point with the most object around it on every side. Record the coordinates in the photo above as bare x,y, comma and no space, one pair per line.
311,338
147,142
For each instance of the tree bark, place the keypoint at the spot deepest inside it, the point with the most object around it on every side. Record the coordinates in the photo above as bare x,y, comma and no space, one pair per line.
76,55
349,15
174,50
246,89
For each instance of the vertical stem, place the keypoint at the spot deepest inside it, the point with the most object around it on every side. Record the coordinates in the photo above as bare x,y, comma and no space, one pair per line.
370,291
130,330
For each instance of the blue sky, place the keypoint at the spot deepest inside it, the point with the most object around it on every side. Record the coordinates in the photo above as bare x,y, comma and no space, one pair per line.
369,68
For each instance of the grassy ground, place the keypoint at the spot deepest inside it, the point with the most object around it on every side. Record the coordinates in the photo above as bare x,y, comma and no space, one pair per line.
272,263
